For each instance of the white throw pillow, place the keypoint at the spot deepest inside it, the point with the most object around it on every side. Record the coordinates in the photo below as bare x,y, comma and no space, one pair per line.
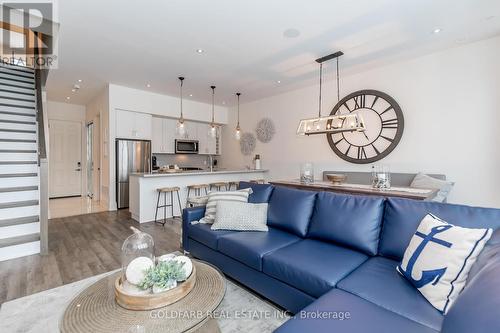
439,257
240,216
424,181
214,197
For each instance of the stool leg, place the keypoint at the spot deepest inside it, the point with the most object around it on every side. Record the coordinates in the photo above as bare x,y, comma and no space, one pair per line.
180,206
206,192
165,208
187,198
157,204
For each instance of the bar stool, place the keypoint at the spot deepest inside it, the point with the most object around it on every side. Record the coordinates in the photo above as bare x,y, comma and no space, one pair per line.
258,181
231,184
190,202
218,186
165,191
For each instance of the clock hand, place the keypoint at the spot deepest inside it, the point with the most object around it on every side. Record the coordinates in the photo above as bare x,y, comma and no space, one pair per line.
366,136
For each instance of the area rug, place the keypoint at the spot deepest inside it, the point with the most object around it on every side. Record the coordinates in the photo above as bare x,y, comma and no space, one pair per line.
240,310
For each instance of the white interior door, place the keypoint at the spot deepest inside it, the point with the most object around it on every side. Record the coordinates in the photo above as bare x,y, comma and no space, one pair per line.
97,158
65,164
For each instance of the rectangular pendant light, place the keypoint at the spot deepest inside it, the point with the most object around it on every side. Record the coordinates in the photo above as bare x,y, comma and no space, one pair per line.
351,122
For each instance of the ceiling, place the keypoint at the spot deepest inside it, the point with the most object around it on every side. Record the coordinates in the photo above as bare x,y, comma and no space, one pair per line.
134,43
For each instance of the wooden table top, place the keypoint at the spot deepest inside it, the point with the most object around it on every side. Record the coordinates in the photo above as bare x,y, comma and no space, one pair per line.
358,189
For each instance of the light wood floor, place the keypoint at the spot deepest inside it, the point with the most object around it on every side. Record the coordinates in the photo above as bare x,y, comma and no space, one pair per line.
80,247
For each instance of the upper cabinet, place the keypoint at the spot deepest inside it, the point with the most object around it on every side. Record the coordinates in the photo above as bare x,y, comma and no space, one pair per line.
133,125
165,133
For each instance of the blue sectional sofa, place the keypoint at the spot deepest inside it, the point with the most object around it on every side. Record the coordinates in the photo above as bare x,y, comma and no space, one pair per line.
331,259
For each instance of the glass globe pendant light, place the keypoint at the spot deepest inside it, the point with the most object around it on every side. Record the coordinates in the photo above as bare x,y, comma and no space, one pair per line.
181,127
213,129
237,133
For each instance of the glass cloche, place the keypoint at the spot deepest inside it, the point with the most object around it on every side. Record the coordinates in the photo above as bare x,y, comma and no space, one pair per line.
137,258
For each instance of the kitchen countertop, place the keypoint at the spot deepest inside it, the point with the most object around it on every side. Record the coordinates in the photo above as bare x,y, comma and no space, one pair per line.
195,173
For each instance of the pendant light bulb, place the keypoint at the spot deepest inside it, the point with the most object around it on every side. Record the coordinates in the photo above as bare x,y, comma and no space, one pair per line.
237,133
213,130
181,129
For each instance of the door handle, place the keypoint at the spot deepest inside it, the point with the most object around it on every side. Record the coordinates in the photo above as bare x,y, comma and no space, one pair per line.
78,169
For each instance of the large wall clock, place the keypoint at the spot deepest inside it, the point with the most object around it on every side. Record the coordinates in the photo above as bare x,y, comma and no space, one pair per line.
384,123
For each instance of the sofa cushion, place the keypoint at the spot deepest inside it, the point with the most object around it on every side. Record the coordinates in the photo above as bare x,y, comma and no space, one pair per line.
290,210
476,309
402,217
202,233
261,192
250,246
360,316
312,266
377,281
353,221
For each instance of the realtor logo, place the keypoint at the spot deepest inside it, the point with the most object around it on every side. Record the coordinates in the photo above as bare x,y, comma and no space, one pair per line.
28,34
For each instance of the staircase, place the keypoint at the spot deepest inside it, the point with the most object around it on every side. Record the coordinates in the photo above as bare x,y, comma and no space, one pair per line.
19,167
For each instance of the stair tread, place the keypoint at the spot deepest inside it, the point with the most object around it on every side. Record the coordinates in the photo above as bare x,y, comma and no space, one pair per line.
19,220
11,241
17,122
16,130
18,189
9,91
17,162
18,140
17,204
14,175
18,106
18,151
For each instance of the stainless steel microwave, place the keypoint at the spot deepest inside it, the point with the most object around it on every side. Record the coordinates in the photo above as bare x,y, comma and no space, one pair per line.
186,146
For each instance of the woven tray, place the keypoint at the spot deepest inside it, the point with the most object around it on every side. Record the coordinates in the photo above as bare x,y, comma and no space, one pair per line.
95,309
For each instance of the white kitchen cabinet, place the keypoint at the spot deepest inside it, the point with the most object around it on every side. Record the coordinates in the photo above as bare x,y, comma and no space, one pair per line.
164,135
208,144
133,125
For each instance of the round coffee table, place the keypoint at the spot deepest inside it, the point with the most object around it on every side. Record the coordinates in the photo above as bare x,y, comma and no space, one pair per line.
95,309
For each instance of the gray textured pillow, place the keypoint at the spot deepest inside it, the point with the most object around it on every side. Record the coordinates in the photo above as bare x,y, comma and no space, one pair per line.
422,180
240,216
215,197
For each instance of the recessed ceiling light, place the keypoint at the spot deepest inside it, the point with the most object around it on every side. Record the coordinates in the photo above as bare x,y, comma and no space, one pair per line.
190,95
437,30
291,33
68,98
73,90
279,81
199,51
80,80
148,85
223,102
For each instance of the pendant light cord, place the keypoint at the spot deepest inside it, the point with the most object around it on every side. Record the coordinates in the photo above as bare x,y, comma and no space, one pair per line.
213,104
238,94
320,85
182,83
338,81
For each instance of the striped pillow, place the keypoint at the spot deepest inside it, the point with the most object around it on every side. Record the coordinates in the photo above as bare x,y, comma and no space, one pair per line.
214,197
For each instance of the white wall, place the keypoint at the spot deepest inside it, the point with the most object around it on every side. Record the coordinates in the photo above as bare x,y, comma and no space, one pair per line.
451,104
71,112
98,112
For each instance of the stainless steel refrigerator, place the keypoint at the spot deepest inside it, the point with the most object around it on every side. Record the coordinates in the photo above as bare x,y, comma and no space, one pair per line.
131,156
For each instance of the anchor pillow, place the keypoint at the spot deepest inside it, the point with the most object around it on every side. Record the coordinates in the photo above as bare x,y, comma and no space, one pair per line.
439,257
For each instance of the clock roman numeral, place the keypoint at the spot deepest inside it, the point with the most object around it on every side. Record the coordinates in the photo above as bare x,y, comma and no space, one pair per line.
347,151
388,139
359,102
376,150
390,123
389,108
346,106
374,101
361,153
338,141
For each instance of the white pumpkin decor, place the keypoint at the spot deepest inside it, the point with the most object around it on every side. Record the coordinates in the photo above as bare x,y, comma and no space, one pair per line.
166,257
136,269
188,265
132,289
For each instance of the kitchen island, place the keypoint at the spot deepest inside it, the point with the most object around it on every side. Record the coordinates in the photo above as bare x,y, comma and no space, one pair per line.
143,188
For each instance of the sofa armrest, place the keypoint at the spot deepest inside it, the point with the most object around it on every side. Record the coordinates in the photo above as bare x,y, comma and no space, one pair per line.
189,215
476,309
